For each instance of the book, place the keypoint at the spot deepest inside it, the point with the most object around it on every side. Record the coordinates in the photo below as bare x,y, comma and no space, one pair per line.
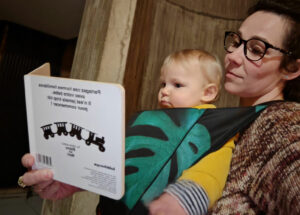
77,129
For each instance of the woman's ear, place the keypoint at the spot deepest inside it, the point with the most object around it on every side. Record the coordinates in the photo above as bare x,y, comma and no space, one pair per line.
292,75
210,92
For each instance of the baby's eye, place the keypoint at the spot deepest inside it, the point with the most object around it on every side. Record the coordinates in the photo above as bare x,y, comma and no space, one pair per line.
163,84
177,85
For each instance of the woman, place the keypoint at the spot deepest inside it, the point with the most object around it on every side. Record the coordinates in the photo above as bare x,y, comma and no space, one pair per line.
262,65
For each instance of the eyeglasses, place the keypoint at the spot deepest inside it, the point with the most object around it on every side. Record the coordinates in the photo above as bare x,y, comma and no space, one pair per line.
254,49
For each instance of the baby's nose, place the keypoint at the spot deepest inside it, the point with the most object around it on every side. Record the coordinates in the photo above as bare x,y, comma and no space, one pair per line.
165,91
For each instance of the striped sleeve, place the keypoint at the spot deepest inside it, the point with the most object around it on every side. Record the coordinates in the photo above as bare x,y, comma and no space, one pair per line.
190,195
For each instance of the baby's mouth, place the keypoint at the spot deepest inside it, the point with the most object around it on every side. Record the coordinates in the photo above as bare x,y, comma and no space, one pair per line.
165,104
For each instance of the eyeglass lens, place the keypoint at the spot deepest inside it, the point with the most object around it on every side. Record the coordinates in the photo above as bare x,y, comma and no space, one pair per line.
254,49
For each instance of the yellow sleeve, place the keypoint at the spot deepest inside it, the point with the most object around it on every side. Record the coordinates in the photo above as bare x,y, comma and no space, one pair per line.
211,171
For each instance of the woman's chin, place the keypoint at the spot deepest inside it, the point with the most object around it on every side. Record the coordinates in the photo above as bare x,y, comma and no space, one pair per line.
232,88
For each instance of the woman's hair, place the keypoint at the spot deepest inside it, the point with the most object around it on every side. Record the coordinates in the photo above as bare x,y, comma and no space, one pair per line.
209,65
289,10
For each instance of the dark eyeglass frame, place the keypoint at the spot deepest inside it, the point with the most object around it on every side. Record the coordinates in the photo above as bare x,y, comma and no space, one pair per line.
267,45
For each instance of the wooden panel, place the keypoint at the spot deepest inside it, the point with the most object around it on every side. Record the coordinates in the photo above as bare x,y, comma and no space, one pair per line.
103,42
57,207
112,67
91,39
138,54
224,9
78,204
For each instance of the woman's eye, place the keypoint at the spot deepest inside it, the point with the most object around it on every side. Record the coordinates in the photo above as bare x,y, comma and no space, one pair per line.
235,43
235,40
257,50
256,47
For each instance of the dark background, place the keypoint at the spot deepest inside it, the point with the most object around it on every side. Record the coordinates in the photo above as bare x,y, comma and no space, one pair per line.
21,51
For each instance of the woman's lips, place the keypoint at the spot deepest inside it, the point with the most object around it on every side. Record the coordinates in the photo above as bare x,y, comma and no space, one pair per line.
232,75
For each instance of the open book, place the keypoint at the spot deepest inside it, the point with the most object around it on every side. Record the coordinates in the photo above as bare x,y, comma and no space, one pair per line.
77,129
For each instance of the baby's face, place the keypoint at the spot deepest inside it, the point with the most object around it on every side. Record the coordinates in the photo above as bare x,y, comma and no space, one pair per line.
181,86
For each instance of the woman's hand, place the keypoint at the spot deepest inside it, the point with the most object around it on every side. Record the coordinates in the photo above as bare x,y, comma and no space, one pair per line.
43,183
166,205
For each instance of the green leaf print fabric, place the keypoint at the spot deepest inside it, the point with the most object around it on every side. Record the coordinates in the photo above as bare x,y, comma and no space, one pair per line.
160,144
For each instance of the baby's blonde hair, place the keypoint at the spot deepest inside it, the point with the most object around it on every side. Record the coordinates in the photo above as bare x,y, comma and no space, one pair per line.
209,64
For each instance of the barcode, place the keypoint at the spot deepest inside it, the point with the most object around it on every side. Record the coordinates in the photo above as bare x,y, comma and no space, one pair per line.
44,159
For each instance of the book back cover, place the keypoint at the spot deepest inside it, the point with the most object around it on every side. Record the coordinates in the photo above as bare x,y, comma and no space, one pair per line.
76,128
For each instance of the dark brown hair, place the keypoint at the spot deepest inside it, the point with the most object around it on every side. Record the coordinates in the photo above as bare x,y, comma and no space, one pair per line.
289,10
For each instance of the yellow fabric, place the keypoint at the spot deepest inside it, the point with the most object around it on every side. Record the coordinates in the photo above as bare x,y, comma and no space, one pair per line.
212,170
205,106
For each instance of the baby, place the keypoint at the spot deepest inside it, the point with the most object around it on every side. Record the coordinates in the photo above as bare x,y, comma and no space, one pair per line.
192,78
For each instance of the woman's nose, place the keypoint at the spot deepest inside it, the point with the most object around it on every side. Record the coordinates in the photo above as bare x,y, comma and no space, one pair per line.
237,55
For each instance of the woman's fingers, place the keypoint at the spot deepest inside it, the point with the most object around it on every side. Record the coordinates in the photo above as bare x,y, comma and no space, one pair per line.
34,177
42,186
42,181
50,192
27,160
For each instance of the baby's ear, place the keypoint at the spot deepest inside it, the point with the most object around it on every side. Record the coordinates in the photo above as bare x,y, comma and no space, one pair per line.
209,93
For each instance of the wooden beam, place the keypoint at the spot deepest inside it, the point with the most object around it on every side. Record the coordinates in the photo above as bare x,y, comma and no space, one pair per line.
138,53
